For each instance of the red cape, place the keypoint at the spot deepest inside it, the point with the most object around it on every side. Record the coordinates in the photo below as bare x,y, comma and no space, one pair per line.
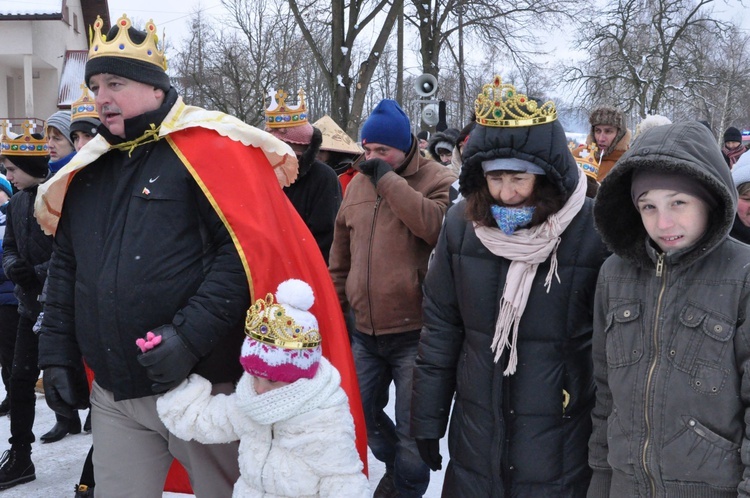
272,240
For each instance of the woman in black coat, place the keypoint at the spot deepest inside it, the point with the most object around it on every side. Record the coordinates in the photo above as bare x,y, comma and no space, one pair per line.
508,312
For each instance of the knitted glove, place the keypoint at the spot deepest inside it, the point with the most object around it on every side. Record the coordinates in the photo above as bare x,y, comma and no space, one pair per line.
375,169
429,450
169,362
66,390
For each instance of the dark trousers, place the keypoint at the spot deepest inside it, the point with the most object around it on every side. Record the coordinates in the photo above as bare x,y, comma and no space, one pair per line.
8,331
22,381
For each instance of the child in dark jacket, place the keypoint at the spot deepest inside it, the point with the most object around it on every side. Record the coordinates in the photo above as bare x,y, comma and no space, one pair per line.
671,343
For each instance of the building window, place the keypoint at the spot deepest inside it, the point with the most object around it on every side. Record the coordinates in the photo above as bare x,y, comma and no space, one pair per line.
75,23
66,15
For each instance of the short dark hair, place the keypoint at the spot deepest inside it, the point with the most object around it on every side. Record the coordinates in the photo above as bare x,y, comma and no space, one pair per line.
546,197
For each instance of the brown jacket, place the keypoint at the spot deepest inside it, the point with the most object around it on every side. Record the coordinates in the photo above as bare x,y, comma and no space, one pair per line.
382,242
608,161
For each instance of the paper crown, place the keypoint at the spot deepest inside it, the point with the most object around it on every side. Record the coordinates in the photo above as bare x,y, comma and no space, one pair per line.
269,323
84,107
500,105
123,46
281,115
24,144
586,158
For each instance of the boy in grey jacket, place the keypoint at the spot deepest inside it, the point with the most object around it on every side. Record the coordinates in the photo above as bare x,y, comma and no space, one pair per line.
671,347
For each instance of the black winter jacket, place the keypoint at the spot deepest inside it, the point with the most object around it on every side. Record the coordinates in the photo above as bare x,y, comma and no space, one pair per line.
24,241
138,245
316,195
524,435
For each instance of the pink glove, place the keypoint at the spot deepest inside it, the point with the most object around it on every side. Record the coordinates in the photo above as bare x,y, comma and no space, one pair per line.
150,342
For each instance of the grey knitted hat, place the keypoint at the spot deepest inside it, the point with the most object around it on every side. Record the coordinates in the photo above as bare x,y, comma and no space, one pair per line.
61,121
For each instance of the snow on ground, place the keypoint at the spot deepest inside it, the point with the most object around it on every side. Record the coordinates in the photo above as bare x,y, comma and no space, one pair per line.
58,465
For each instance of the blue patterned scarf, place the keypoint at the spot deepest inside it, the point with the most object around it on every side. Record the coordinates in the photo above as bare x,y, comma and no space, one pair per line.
511,218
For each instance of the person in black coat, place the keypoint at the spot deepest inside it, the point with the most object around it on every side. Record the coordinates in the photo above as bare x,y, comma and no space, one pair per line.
508,314
316,194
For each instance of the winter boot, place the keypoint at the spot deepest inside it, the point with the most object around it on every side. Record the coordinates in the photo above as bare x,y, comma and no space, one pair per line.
62,428
16,466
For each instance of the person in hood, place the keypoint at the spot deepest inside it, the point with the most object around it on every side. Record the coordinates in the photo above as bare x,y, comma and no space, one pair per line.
316,194
441,146
671,344
741,178
507,313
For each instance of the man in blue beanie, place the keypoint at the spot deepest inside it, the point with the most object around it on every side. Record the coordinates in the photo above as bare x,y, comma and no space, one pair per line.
385,230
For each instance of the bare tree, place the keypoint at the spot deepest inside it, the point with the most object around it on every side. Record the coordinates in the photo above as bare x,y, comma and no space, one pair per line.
643,54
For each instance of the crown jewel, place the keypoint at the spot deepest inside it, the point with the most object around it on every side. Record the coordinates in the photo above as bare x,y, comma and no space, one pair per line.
84,107
500,105
268,322
24,144
281,115
123,46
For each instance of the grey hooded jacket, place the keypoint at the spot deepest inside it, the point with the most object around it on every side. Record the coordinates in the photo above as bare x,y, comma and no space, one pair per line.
671,344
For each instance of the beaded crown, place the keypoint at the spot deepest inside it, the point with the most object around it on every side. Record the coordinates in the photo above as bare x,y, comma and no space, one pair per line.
84,107
586,158
24,144
122,46
500,105
268,322
281,115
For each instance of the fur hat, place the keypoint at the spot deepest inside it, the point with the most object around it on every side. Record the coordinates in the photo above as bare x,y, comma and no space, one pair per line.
283,342
388,125
606,115
149,73
651,121
732,135
61,122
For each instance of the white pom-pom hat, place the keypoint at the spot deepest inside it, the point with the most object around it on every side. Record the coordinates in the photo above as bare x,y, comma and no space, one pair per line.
283,341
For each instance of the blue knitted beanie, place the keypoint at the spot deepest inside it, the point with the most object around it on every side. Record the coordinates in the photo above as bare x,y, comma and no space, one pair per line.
387,125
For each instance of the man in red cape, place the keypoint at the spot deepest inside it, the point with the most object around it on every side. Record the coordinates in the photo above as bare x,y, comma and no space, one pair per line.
155,219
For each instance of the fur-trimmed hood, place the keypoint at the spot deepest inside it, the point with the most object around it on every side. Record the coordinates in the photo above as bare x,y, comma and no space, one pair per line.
685,147
450,135
544,145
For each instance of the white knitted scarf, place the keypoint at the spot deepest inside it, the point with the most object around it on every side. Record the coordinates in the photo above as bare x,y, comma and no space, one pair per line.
294,399
526,248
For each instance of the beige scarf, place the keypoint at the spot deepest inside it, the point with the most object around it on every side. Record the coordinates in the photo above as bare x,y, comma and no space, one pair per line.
526,249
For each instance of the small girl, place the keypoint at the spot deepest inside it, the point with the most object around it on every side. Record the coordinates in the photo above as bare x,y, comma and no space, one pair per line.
288,412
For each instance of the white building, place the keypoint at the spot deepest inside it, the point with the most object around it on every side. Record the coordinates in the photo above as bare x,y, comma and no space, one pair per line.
43,51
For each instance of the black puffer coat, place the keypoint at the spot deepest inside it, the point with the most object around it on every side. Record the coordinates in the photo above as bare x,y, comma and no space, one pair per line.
523,435
24,240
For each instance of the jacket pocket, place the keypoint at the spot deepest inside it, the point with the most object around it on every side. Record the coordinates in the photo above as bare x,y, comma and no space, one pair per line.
624,335
699,348
696,453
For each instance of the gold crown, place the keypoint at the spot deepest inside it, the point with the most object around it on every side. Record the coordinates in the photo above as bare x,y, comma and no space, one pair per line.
586,158
281,115
500,105
268,323
84,107
24,144
123,46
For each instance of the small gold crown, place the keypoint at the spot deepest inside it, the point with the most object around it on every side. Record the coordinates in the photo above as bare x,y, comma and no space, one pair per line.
84,107
24,144
281,115
123,46
500,105
268,323
586,158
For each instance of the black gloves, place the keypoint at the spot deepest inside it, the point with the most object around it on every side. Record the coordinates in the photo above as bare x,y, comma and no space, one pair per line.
66,390
23,274
429,450
170,362
375,169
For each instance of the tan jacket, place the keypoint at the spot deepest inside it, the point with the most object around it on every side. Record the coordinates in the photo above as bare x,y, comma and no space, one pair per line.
382,242
608,161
